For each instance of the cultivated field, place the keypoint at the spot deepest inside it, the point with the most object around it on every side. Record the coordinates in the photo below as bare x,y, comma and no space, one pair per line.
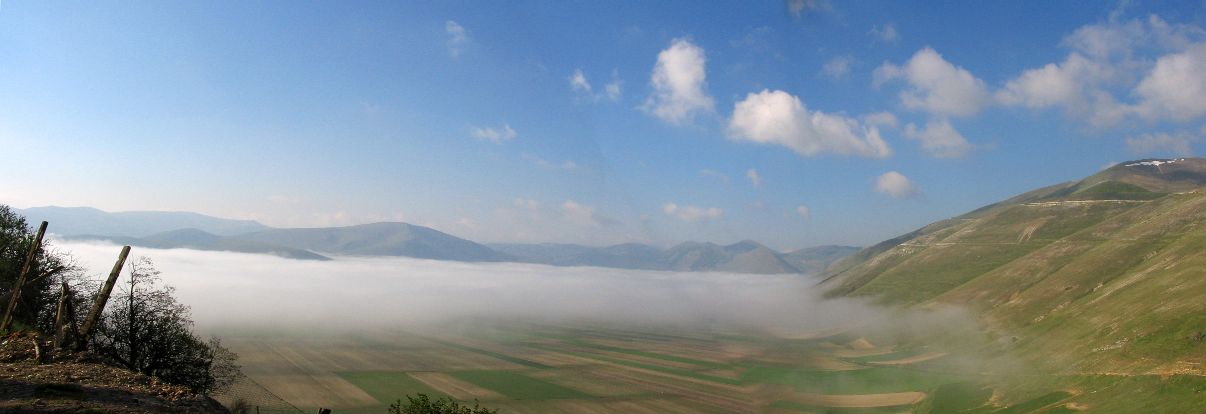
529,368
526,368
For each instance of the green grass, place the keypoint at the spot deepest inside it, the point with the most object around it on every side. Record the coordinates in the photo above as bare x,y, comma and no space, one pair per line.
957,397
789,405
518,386
388,386
1104,393
1142,394
1114,190
863,381
932,273
672,358
1035,403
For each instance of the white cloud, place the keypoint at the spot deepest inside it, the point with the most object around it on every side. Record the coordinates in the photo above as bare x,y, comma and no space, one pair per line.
755,179
804,211
837,68
693,213
1114,59
939,139
458,38
1075,84
1119,40
777,117
679,81
1161,144
612,90
798,7
495,135
881,119
886,33
1176,86
581,85
578,82
935,85
895,185
1053,84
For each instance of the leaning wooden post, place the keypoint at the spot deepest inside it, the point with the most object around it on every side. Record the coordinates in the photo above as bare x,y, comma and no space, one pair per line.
75,327
16,293
59,314
64,317
99,304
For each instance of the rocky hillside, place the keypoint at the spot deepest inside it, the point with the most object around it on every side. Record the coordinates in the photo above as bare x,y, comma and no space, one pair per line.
82,383
1105,274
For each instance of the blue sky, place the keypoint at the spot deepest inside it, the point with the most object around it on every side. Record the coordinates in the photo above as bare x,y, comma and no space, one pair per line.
792,123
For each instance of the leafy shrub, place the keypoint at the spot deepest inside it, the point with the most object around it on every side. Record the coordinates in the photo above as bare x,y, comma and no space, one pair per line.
422,404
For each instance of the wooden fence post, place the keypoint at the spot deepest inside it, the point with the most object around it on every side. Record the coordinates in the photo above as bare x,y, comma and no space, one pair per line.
16,293
60,331
99,304
65,319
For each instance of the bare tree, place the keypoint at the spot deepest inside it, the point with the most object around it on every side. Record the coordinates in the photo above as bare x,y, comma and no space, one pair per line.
146,330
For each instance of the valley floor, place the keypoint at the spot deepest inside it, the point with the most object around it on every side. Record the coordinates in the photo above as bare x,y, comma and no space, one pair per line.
524,368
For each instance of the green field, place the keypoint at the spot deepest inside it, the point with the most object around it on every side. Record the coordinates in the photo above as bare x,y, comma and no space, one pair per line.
518,386
528,368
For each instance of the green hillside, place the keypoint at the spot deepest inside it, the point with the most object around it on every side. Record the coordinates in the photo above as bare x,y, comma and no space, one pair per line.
1106,275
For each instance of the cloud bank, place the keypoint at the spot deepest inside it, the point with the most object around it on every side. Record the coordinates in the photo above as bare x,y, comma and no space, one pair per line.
247,291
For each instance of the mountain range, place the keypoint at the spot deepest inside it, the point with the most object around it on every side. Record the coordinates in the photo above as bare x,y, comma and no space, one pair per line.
200,232
1106,274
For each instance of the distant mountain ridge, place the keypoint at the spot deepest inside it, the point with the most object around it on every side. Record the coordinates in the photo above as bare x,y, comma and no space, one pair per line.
75,221
380,239
196,231
745,256
200,240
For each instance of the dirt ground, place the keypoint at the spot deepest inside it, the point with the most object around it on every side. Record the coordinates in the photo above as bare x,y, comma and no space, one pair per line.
80,382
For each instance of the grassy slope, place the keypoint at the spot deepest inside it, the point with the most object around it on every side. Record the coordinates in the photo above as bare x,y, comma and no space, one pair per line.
1088,290
1065,279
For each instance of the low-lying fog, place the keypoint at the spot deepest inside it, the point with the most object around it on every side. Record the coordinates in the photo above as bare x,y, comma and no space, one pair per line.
237,290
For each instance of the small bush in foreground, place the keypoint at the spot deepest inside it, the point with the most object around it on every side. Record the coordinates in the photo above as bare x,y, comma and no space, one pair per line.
422,404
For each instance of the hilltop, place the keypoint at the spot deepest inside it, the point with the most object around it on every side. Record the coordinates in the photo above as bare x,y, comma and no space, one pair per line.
1100,275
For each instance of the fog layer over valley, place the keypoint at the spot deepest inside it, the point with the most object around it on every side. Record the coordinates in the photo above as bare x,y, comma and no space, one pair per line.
237,290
